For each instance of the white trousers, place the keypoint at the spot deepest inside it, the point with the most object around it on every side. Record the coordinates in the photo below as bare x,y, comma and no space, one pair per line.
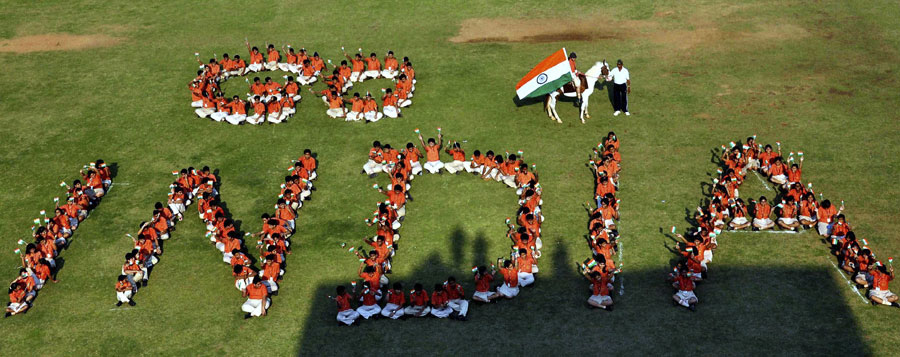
254,306
392,308
348,316
354,76
218,116
434,166
442,312
335,112
255,119
416,167
367,311
236,119
204,112
389,73
403,103
354,116
369,75
124,296
371,167
525,279
459,305
391,111
306,80
456,166
417,311
373,116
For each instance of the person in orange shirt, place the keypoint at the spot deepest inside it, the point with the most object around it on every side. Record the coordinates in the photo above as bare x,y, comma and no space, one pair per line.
456,299
825,215
207,107
418,302
412,156
778,171
336,107
510,287
391,67
761,213
292,89
395,301
881,279
357,67
404,91
600,290
256,59
196,87
317,64
525,264
373,68
370,109
222,109
483,280
787,214
685,284
309,163
238,67
433,153
440,303
459,162
258,300
272,90
375,164
238,109
124,290
389,104
272,58
21,293
356,108
346,74
408,70
274,113
346,315
290,63
259,111
369,306
307,75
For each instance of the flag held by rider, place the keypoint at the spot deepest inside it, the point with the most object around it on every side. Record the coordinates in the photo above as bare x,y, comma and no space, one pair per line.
549,75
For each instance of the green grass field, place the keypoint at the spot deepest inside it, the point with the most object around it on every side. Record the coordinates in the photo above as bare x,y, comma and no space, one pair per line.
820,77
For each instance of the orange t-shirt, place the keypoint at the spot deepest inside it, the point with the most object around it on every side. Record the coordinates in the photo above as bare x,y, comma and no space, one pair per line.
433,153
483,283
510,276
257,292
372,64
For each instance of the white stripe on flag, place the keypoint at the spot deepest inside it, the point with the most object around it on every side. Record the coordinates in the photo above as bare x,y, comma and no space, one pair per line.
547,76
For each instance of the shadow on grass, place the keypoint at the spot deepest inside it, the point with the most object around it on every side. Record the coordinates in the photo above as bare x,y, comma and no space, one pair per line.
767,310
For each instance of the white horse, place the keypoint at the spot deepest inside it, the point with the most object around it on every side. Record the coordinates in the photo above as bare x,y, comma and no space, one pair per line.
598,72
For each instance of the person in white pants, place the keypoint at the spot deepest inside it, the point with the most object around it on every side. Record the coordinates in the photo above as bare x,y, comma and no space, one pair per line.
389,104
124,290
395,298
440,303
259,111
456,295
346,315
258,300
238,111
208,108
456,165
418,299
371,167
369,305
433,153
390,66
373,68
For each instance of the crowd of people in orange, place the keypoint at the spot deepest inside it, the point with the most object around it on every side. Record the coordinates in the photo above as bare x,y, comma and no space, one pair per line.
448,299
603,234
794,208
53,233
270,101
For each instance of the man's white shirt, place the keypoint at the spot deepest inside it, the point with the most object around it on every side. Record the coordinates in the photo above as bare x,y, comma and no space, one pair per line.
619,76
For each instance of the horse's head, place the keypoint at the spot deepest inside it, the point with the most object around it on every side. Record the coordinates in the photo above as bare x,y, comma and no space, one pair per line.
599,69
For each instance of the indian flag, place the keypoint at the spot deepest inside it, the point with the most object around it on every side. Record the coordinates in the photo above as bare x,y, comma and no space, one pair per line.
553,72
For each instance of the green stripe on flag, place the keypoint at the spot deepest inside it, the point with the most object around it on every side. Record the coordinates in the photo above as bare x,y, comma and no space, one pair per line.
550,86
